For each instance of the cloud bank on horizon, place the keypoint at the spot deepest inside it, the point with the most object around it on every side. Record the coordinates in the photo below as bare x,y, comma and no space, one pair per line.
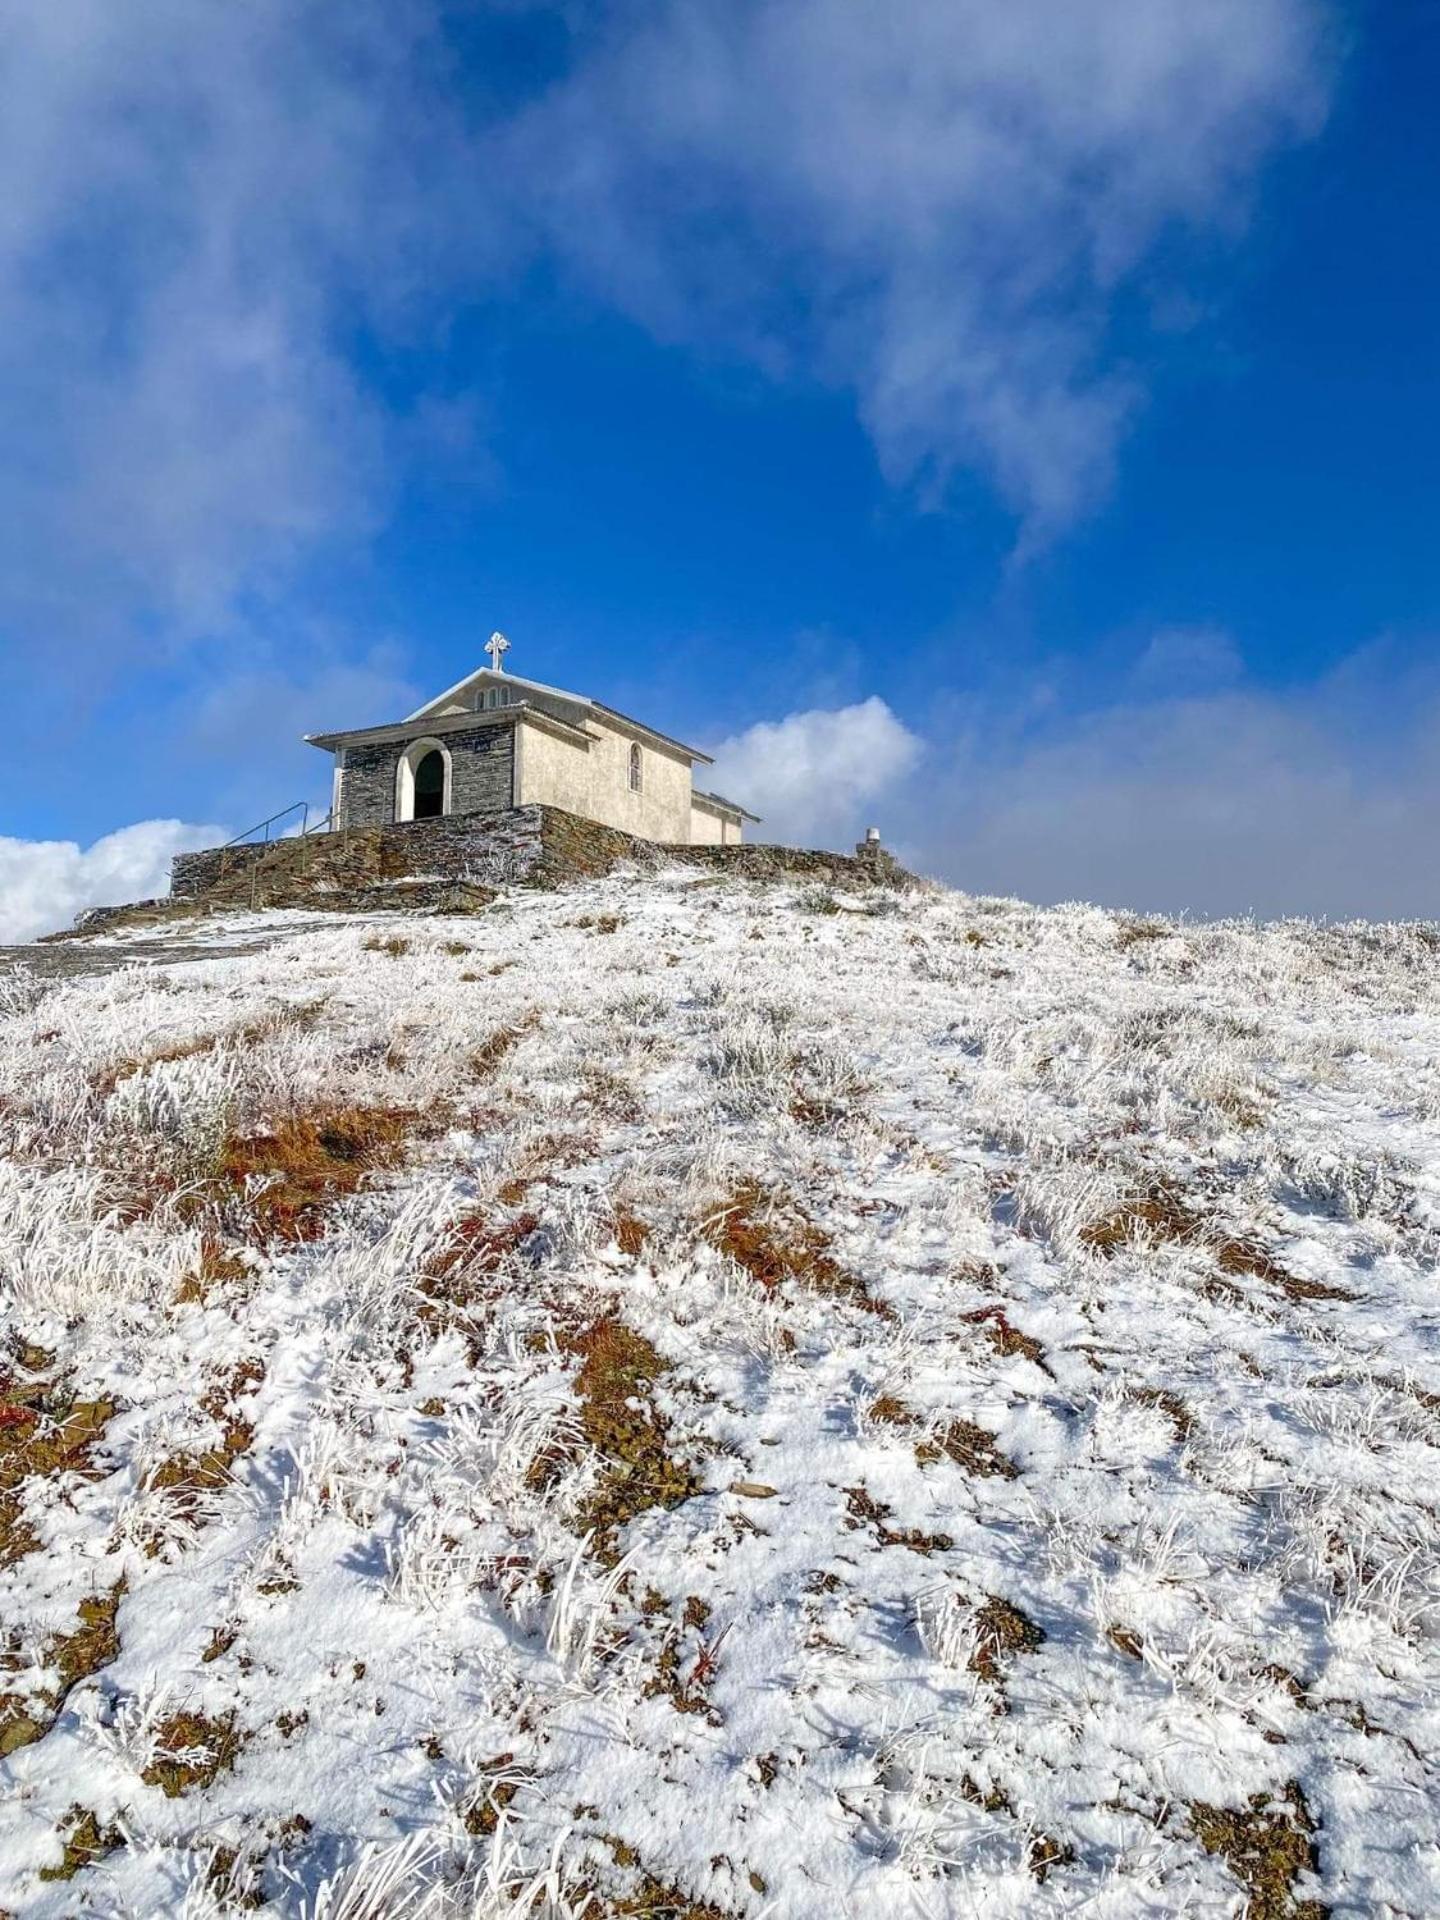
44,884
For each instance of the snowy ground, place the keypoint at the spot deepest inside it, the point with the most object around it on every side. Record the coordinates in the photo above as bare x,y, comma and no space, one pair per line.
673,1395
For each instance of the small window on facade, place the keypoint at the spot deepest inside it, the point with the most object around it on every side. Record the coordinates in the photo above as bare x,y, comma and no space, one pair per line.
492,698
636,778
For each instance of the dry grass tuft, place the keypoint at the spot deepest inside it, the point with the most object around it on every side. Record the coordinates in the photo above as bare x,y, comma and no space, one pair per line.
863,1510
968,1446
631,1234
1170,1404
1006,1338
649,1899
492,1051
390,943
1159,1215
618,1416
85,1841
1248,1257
216,1268
188,1478
307,1161
74,1657
960,1441
1001,1632
1267,1845
44,1433
770,1238
500,1781
192,1751
1134,933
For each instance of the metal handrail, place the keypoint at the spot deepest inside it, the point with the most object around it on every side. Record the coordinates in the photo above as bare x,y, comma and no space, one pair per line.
319,826
302,807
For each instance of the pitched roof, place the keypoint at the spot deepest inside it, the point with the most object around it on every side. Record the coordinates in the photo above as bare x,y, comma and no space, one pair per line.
722,805
487,676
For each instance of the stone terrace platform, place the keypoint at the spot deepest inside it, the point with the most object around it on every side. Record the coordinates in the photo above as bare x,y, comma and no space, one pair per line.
456,865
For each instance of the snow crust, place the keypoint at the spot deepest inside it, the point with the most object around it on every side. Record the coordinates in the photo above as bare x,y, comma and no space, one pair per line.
1213,1491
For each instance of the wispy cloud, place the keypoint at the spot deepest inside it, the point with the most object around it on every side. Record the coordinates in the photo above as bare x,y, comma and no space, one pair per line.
202,207
943,208
940,209
1229,798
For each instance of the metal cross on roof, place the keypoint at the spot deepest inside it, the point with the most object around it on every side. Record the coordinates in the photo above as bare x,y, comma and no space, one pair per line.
497,647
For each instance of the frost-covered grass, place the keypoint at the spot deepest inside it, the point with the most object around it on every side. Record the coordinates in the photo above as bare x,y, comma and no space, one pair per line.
674,1399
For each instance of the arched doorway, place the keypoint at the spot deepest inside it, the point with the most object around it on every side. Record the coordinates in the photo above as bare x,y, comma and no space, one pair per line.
430,786
422,781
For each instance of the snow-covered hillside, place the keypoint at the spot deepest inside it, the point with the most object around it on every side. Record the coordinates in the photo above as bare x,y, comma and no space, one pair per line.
718,1400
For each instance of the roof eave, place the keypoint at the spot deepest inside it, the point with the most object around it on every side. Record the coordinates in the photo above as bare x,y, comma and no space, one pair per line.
417,727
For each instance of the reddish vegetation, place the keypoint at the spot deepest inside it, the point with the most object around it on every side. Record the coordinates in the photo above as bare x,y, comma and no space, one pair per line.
308,1160
773,1249
616,1385
44,1432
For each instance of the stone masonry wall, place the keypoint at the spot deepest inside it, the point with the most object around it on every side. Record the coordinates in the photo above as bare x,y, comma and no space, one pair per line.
519,846
192,874
482,762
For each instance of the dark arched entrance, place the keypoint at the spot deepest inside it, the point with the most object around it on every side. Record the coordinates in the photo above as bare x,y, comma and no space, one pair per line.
430,786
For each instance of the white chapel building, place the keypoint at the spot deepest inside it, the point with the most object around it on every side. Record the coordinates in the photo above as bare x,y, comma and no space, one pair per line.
495,741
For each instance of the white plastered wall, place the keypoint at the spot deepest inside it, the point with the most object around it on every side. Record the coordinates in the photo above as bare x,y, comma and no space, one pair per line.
595,782
711,829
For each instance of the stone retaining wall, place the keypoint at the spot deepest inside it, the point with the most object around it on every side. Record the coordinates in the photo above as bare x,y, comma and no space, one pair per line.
522,846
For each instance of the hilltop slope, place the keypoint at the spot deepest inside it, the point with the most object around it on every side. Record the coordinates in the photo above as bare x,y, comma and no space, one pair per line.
732,1400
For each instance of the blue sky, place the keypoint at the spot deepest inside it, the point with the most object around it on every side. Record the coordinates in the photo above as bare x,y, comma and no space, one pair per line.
1014,426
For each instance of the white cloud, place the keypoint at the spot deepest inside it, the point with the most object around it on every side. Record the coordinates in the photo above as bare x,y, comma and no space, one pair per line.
812,775
944,208
203,206
45,883
939,208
